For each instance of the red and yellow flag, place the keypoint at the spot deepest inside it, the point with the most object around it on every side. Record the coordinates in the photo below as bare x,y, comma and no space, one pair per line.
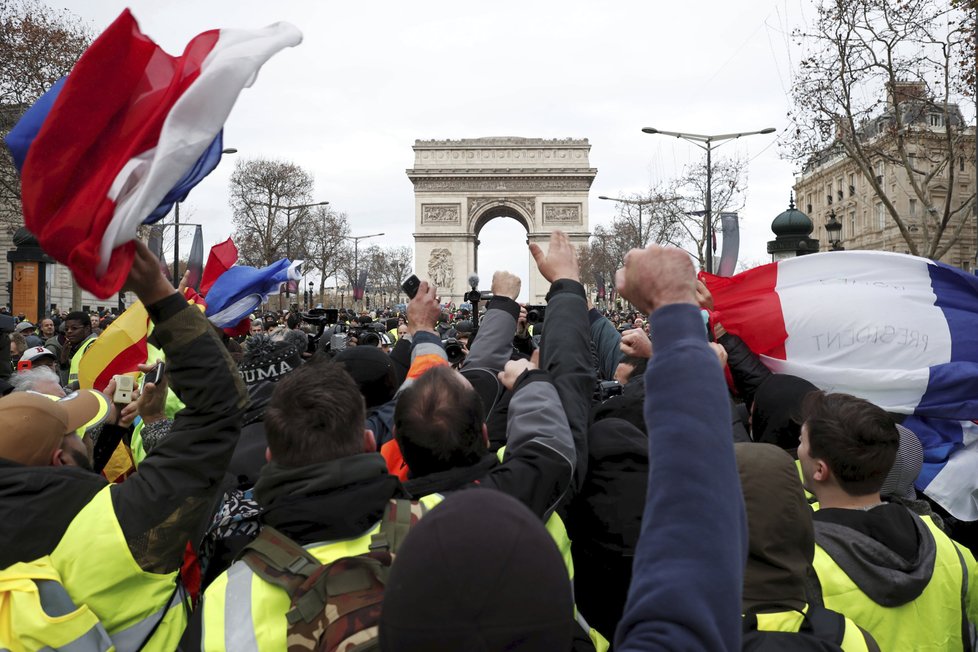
120,349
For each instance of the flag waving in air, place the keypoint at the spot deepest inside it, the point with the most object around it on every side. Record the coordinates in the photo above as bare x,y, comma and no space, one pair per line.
896,330
241,289
126,134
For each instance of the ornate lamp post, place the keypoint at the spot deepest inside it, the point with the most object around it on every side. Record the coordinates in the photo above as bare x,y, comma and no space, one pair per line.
833,229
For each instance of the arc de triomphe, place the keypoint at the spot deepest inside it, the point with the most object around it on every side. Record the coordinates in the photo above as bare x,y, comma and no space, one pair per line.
460,185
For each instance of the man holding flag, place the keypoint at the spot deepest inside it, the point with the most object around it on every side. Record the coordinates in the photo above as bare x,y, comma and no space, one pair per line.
117,548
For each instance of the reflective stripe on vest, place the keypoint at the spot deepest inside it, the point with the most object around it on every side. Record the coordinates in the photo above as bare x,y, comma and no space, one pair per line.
76,359
98,570
933,621
791,621
36,612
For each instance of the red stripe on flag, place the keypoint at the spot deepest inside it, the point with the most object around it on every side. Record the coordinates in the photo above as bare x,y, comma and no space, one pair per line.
221,258
748,306
111,109
125,362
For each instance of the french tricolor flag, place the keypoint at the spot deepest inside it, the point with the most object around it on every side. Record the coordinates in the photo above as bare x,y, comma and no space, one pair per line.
897,330
126,134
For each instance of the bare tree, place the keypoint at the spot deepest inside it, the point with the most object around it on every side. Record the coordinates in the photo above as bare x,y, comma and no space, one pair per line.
848,101
38,46
687,202
605,253
267,198
327,244
397,267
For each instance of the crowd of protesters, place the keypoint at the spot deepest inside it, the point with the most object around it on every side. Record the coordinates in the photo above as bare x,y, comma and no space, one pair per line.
448,479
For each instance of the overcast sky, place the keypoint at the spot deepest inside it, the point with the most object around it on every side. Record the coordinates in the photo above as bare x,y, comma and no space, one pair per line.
371,77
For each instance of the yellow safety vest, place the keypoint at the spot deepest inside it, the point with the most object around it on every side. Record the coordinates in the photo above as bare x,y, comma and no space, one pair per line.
933,621
98,571
37,613
76,359
244,613
791,621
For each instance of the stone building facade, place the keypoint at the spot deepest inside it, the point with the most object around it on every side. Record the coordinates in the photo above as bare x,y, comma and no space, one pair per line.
833,183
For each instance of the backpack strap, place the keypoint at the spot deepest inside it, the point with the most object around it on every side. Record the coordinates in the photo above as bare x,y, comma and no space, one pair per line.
826,624
279,560
399,517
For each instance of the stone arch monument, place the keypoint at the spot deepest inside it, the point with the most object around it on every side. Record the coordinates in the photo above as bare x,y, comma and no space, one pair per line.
461,185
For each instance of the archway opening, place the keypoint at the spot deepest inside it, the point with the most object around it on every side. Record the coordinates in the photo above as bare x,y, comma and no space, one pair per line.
502,245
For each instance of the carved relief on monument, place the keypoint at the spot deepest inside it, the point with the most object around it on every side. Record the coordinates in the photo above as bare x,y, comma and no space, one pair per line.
441,213
510,184
528,204
441,268
561,213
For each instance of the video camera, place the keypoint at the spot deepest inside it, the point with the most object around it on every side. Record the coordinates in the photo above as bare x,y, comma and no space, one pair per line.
605,389
320,319
535,314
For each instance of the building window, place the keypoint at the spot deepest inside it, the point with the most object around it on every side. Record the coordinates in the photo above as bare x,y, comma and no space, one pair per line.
936,119
961,163
852,225
880,217
852,185
879,172
913,208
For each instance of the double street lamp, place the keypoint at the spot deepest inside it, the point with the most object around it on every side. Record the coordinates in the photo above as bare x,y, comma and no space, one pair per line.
356,256
707,143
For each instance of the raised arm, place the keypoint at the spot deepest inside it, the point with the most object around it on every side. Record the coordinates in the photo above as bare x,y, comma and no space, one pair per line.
493,346
688,569
164,504
565,350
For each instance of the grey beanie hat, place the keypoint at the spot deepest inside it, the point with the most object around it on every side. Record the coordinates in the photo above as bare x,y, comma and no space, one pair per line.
906,467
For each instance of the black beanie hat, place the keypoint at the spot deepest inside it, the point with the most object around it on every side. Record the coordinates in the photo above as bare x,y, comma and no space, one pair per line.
479,573
373,372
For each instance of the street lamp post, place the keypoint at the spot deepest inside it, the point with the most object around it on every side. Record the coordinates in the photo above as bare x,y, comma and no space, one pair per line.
706,143
288,230
833,228
637,202
356,256
176,230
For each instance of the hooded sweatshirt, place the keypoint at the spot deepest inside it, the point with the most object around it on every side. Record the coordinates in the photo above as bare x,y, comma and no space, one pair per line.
896,575
776,411
781,541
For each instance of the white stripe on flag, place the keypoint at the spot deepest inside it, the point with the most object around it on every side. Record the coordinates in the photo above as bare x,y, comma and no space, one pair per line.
955,488
849,331
193,122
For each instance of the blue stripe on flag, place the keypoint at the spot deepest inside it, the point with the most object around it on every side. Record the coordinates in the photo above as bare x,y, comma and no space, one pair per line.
939,439
242,290
204,166
25,131
952,389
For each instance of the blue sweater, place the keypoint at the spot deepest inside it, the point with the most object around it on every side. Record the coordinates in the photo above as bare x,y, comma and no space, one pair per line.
689,565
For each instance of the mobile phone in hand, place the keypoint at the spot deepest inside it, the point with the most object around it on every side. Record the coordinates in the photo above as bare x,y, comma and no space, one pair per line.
410,285
154,375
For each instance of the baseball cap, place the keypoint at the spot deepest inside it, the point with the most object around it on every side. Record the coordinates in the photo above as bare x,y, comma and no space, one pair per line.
32,425
36,352
23,326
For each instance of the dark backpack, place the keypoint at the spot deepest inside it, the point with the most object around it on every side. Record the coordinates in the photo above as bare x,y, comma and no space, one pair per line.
822,630
333,606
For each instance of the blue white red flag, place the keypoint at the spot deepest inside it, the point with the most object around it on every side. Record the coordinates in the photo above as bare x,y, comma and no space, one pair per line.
239,291
126,134
899,331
